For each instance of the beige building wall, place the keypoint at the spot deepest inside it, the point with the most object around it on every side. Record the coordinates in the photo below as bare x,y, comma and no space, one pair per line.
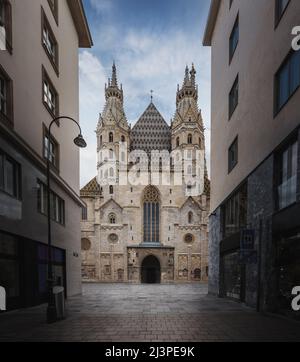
260,52
24,67
24,140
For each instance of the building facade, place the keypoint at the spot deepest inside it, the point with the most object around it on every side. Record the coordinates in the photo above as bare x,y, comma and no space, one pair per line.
254,242
146,232
38,82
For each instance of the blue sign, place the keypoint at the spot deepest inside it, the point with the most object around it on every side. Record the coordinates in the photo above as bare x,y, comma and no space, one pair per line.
248,254
247,239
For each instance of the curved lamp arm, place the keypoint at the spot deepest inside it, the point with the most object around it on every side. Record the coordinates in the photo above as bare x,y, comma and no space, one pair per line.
79,140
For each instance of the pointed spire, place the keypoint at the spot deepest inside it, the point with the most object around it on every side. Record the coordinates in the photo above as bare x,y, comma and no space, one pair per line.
113,89
114,80
193,76
187,77
189,88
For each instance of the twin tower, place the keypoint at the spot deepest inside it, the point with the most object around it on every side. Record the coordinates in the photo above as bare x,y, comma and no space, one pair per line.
151,132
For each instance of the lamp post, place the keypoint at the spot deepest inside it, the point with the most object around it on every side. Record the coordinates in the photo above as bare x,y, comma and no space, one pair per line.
79,142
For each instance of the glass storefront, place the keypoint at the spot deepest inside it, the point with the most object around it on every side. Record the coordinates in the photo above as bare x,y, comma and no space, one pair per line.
58,261
24,270
232,273
9,267
288,271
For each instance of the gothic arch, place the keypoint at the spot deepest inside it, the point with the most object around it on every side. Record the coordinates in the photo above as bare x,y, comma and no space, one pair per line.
151,214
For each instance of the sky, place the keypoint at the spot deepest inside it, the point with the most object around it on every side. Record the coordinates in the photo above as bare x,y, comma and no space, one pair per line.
151,43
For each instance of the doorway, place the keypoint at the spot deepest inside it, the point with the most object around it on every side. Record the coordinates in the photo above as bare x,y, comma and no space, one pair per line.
150,272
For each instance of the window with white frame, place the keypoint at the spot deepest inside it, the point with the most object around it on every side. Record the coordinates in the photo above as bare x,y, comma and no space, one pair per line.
49,42
51,150
57,204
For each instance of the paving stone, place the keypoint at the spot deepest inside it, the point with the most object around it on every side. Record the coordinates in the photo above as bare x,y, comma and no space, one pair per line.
127,313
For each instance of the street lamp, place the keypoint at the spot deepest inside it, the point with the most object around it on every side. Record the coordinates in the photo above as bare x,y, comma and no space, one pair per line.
79,142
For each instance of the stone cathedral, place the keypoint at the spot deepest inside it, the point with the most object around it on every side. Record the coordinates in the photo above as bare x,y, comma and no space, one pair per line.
145,233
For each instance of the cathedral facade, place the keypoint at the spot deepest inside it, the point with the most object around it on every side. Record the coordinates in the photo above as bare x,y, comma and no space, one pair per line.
146,221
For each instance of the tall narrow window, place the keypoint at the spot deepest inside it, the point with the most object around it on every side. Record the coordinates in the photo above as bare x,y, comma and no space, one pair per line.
234,39
287,80
111,190
6,22
6,95
287,168
233,155
111,137
235,212
51,149
50,96
190,217
281,5
112,218
53,4
49,42
57,204
177,142
10,176
234,97
151,201
84,214
190,139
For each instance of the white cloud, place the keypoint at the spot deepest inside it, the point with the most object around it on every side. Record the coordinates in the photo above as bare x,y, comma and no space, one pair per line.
145,61
92,79
102,6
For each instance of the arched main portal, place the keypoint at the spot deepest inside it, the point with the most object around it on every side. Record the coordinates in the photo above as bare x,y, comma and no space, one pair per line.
150,271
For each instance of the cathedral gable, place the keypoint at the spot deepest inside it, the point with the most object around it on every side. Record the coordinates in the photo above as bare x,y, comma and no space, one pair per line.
151,132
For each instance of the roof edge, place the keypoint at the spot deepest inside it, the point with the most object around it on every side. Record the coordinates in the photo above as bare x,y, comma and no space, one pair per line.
211,22
81,24
143,114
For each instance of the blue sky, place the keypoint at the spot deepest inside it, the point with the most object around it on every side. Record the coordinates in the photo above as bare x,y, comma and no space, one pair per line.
151,43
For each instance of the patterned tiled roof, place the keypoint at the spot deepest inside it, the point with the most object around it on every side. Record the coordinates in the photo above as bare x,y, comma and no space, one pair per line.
91,189
207,186
151,132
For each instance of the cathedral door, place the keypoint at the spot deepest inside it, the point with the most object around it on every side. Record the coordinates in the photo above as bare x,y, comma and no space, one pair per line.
150,271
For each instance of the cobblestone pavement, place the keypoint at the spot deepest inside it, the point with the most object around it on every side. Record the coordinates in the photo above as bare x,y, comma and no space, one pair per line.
146,313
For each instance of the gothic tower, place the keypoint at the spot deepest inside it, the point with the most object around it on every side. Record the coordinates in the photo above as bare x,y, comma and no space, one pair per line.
187,124
112,131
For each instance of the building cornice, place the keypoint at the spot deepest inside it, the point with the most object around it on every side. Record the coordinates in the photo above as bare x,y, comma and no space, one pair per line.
211,22
81,24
